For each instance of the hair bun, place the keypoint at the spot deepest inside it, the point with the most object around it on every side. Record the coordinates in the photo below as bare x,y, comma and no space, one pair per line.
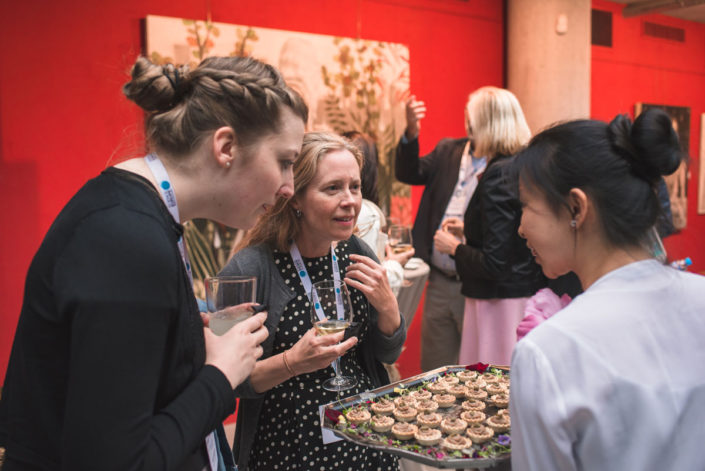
157,88
650,145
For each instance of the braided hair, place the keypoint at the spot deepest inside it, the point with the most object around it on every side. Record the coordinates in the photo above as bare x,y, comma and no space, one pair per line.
183,106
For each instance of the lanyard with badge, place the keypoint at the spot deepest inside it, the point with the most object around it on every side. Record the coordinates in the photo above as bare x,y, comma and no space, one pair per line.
306,282
326,435
167,193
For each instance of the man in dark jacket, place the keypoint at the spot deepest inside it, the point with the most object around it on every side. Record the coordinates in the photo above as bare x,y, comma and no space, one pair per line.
449,173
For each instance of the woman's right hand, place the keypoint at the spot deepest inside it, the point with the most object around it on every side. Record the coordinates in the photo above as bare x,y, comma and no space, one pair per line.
415,112
313,352
235,352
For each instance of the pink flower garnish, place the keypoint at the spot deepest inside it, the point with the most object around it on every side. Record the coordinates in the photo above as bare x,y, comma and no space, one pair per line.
333,415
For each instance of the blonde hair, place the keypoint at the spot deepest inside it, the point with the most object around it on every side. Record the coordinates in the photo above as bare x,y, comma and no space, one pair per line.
498,123
280,225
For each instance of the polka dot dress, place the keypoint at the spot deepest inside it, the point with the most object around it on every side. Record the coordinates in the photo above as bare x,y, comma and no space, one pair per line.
288,436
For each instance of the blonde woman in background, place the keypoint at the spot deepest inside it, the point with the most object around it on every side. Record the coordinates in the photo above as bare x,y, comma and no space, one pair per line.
497,271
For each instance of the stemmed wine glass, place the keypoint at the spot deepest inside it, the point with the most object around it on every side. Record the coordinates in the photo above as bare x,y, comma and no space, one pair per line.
400,238
400,241
331,312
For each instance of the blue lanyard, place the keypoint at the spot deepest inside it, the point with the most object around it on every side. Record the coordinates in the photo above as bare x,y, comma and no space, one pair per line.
306,281
167,191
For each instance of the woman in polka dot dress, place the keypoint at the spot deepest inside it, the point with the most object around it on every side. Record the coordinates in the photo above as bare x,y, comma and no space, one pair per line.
278,424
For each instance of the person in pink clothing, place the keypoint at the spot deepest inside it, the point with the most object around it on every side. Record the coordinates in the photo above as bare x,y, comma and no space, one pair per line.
497,272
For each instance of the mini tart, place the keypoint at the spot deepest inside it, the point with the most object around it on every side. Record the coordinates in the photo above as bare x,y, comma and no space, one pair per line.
405,414
500,400
358,415
490,377
504,381
478,433
421,395
500,422
494,388
476,392
466,376
458,390
404,401
381,423
404,431
431,419
439,387
450,380
479,382
473,416
444,400
473,404
456,443
451,426
426,405
428,436
383,407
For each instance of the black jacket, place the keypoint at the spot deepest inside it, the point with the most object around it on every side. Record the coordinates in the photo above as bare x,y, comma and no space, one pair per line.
495,262
439,172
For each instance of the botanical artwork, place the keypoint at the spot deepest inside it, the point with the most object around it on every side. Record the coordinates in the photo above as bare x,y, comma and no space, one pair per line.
349,84
677,182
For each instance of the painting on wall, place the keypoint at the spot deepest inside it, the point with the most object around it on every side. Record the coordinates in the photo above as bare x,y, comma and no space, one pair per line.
677,183
701,179
349,84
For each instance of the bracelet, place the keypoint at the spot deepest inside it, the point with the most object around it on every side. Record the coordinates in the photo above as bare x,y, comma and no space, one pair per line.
286,364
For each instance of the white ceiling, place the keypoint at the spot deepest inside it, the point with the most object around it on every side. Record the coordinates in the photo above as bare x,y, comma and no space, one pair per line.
692,13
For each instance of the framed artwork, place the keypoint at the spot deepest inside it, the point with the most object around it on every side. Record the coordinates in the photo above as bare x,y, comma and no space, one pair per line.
349,84
701,179
677,182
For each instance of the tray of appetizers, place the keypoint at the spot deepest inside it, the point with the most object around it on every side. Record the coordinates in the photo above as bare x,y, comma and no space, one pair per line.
450,417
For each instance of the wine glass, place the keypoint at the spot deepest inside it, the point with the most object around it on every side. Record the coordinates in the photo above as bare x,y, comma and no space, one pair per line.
331,312
230,299
400,241
400,238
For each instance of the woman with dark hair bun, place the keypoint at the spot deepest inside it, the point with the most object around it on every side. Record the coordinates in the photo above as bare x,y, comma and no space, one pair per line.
613,381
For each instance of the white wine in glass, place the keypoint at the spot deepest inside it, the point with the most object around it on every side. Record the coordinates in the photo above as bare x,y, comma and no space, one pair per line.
331,312
400,238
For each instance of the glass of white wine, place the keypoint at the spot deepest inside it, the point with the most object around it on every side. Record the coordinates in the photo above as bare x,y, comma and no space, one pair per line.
331,312
230,299
400,238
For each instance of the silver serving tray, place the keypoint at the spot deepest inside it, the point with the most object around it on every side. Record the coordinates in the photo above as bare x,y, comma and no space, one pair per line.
375,442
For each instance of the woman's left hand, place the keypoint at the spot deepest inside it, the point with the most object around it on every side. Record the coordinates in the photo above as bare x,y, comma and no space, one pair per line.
371,278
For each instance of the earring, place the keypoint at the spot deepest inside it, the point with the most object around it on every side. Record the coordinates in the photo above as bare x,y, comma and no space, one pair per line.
573,223
298,213
227,164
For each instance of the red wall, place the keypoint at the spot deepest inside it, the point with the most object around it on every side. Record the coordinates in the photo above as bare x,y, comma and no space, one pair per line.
643,69
63,118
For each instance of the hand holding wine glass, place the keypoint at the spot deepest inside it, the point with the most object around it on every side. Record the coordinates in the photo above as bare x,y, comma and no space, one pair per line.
331,312
400,238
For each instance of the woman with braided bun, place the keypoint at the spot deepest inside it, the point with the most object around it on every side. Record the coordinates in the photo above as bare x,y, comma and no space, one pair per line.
614,380
111,367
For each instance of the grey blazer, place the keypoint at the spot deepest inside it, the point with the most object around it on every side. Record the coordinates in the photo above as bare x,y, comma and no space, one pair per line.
271,289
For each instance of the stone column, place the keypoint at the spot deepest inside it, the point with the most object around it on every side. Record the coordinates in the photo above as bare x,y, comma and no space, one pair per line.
548,59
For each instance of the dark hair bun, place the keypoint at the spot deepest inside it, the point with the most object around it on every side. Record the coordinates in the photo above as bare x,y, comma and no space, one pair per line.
156,88
650,145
